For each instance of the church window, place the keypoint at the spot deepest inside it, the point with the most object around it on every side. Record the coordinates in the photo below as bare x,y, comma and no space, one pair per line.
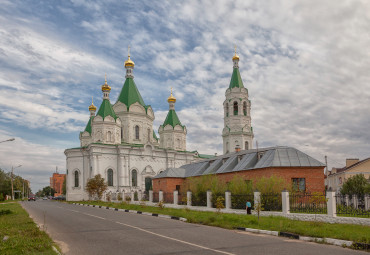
110,177
227,109
148,135
235,108
122,133
246,145
109,136
134,178
76,179
137,135
148,184
178,143
245,108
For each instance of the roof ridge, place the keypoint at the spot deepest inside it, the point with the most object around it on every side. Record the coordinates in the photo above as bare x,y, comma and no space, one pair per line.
130,94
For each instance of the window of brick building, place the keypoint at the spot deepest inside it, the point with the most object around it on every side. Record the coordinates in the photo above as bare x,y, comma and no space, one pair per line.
299,184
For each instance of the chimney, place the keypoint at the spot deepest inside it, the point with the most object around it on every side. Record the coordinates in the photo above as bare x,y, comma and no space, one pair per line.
351,161
237,148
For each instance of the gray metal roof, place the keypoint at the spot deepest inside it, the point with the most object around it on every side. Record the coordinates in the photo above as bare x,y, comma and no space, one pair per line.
243,161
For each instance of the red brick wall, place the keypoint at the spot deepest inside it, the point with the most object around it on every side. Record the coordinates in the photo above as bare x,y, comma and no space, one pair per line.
56,183
314,177
167,184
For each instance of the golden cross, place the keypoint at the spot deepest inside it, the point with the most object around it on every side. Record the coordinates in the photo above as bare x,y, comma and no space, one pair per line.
171,91
105,78
129,51
235,49
92,100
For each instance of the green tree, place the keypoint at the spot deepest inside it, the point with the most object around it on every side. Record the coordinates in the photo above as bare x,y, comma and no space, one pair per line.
65,186
356,185
96,186
47,191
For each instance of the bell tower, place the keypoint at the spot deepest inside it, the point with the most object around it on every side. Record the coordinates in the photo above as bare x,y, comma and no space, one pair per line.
238,131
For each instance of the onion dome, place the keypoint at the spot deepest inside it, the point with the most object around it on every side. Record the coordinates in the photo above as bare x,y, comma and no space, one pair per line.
105,86
171,99
92,107
129,62
235,57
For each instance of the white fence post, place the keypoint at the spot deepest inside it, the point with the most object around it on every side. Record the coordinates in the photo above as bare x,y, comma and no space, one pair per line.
209,199
285,201
367,202
132,196
160,196
175,197
257,199
331,203
151,196
188,198
139,195
227,200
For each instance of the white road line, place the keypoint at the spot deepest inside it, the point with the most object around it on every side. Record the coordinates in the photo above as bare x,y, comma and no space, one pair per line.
174,239
94,216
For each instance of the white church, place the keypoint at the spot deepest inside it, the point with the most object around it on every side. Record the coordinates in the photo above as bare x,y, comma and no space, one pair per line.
119,142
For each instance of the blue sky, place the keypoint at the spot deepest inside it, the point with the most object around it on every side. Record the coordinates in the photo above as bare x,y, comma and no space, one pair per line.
306,66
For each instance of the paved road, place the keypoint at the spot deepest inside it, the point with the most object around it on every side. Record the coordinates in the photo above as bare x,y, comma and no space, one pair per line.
89,230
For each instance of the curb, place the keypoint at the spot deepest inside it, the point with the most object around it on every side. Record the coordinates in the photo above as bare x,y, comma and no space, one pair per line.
337,242
136,212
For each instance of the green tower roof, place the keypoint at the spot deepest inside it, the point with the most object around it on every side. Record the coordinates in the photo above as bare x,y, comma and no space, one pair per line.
236,79
130,94
88,126
172,119
106,109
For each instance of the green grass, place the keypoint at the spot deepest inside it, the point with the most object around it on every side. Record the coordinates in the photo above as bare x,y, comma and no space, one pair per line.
350,232
24,237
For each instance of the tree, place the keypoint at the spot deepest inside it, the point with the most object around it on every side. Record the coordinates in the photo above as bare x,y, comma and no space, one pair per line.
356,185
96,186
64,186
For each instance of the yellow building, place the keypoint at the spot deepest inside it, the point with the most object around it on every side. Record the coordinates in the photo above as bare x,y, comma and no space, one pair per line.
338,176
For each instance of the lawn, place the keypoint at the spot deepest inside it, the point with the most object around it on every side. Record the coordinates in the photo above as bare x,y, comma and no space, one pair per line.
22,234
356,233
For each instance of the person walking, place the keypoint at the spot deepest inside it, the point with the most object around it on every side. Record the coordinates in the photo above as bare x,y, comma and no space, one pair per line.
248,207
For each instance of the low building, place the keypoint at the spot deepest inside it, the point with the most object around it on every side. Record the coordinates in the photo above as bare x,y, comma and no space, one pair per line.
337,176
299,170
56,183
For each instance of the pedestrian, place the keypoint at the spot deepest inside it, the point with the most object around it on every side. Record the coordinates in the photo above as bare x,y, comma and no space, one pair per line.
248,206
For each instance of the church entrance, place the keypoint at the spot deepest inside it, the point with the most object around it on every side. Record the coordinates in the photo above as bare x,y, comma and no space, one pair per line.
148,184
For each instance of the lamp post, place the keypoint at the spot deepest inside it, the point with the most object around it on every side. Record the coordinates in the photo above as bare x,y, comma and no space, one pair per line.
9,140
12,180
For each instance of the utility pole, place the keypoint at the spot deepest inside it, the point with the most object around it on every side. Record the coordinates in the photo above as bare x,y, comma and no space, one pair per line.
11,178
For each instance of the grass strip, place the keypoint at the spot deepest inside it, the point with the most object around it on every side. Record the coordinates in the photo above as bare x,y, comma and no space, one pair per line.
20,235
351,232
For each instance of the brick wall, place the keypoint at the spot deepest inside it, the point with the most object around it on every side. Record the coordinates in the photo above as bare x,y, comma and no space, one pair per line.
314,177
57,183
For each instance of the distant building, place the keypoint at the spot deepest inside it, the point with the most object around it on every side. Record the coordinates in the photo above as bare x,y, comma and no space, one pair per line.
301,171
56,183
337,176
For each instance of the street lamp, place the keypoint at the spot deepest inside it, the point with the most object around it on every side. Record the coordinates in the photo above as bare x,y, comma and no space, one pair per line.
12,179
9,140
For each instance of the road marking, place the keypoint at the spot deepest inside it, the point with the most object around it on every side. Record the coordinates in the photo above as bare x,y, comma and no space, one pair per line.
94,216
174,239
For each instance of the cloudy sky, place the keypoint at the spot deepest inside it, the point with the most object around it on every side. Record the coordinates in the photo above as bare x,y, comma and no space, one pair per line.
306,65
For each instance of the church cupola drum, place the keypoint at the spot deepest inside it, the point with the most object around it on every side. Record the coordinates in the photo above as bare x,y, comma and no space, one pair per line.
237,132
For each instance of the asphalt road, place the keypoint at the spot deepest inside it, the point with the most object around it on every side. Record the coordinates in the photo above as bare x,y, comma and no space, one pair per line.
89,230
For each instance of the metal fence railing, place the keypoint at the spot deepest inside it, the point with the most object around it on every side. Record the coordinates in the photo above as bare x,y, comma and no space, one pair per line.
155,197
352,206
308,203
271,202
238,201
168,197
199,199
182,198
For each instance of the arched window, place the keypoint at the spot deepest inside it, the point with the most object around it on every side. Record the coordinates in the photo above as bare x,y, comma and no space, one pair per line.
110,177
227,109
178,143
137,132
109,136
77,179
227,147
245,108
235,108
148,135
122,133
246,145
134,178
